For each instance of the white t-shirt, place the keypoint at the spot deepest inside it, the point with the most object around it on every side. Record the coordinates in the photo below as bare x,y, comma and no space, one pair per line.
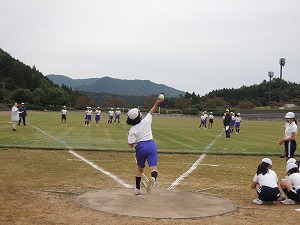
238,119
211,117
64,111
294,179
97,112
111,113
270,179
141,131
290,128
118,112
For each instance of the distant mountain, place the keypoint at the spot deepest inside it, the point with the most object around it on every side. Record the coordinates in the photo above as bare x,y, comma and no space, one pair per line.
116,86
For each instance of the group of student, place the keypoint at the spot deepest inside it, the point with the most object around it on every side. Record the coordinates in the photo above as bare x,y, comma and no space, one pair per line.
88,116
265,181
203,121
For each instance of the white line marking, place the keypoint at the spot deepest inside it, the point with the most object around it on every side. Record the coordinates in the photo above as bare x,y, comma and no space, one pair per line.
100,169
193,167
86,160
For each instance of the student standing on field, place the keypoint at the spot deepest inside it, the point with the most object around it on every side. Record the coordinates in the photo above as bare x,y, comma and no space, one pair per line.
97,115
117,116
140,137
238,121
64,116
265,183
110,115
290,134
15,116
210,120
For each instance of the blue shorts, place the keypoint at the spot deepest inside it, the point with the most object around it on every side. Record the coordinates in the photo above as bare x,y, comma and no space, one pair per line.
146,150
110,117
290,148
237,124
117,116
232,123
88,117
268,194
97,117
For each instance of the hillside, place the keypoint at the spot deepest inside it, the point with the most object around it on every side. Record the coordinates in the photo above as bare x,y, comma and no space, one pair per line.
116,86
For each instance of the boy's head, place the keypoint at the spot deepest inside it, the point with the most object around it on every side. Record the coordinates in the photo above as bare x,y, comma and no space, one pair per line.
134,117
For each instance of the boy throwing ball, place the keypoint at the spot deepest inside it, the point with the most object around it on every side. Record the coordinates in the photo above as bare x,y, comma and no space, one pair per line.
140,137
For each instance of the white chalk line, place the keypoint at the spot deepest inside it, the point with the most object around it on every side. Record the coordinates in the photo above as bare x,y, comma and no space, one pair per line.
117,179
194,166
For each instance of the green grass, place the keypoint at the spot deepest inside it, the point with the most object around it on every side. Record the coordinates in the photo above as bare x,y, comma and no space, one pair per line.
172,135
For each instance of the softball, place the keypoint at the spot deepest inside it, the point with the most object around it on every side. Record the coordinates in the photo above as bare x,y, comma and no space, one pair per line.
161,96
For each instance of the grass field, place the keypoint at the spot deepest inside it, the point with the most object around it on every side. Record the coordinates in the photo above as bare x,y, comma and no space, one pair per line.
172,135
40,180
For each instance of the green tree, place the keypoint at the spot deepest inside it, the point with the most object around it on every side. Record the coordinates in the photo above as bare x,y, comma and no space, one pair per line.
39,97
58,96
21,95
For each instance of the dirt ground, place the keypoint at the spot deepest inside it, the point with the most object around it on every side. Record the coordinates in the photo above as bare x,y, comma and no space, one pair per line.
41,187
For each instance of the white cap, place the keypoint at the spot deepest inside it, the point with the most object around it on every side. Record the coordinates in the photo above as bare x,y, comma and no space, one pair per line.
133,113
267,160
22,103
290,115
98,107
290,166
64,105
291,160
227,110
238,114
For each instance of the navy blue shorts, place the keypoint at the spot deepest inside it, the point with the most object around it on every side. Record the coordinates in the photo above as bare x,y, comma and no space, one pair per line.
294,194
290,148
146,150
268,194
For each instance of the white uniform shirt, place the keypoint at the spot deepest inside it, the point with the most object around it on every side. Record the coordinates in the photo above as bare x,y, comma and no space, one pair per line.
211,116
97,112
141,131
294,179
89,112
118,112
203,117
64,111
111,113
290,128
270,179
238,119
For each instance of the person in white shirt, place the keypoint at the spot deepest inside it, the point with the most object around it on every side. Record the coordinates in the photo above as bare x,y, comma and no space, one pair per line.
110,115
238,121
88,112
141,139
265,183
97,115
117,116
291,185
210,120
15,116
64,116
290,134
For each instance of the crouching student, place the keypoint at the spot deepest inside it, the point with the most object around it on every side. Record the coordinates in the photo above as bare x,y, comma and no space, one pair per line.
291,185
265,183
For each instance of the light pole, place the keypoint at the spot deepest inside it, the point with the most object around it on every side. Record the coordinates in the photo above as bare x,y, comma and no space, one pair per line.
282,63
270,74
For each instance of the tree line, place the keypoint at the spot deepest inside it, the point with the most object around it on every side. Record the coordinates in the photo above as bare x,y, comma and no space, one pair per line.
22,83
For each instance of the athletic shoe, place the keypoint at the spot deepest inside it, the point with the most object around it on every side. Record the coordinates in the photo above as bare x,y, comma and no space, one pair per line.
137,192
288,202
258,201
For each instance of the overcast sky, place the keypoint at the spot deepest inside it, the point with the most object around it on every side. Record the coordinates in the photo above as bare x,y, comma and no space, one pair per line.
191,45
